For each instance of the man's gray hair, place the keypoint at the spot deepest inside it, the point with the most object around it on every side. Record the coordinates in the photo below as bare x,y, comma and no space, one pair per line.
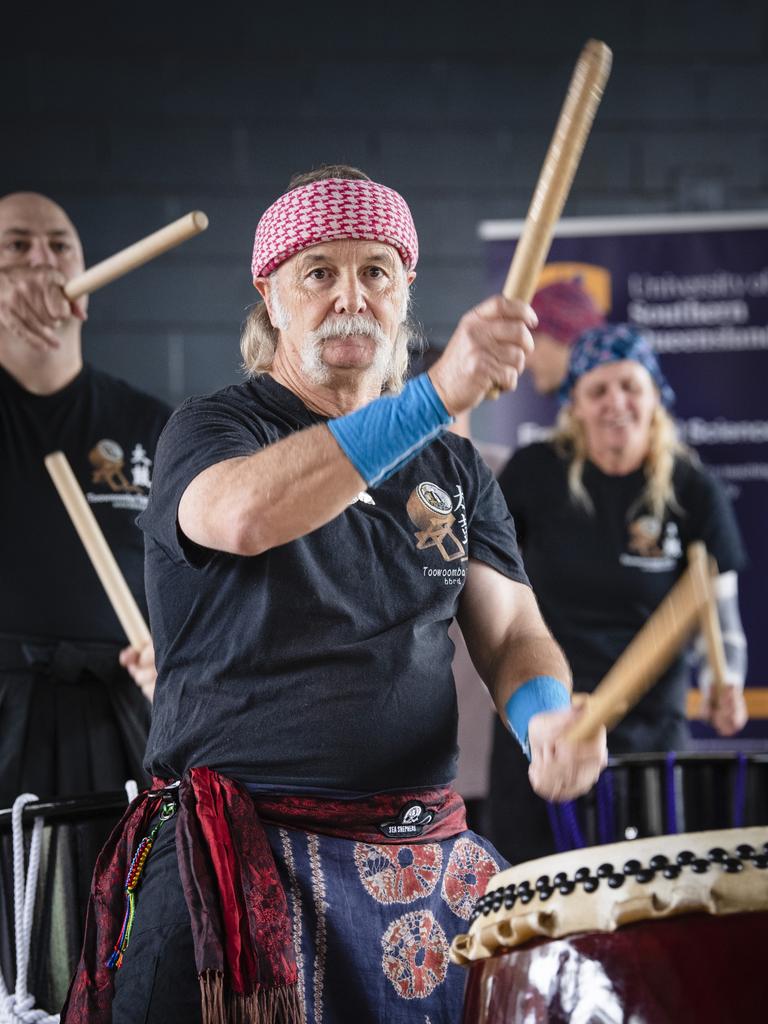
258,343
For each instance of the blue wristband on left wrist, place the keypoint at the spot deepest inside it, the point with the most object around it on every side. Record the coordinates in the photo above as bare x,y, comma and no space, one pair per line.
384,435
542,693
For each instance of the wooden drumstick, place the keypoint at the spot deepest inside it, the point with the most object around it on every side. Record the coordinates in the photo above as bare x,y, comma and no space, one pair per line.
94,542
643,661
581,102
705,569
136,255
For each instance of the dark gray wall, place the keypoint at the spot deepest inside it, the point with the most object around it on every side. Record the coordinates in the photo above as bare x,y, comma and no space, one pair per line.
130,123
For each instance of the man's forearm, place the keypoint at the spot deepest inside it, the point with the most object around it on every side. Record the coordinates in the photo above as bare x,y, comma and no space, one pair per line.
506,635
734,640
247,505
526,656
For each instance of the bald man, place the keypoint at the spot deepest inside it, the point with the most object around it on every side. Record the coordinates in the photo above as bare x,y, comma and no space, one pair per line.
72,719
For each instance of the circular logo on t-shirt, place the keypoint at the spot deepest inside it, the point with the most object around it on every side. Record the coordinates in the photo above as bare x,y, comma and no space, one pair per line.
435,498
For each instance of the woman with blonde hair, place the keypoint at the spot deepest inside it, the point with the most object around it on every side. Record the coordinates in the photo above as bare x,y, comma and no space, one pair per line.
605,511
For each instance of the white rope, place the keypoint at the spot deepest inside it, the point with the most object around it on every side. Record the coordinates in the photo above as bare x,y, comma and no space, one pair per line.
19,1008
131,790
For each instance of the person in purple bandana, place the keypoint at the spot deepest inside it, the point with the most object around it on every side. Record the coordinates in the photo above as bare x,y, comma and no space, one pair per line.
605,512
310,537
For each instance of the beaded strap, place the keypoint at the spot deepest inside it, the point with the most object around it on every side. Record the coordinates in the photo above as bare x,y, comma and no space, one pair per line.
132,879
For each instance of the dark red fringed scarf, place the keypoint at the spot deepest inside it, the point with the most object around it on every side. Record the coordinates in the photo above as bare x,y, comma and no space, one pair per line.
238,910
240,926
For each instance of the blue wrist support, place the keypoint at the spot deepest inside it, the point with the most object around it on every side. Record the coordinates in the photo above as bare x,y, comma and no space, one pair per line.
542,693
381,437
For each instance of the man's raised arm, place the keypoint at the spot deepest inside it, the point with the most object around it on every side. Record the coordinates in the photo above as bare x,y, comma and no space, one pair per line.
248,505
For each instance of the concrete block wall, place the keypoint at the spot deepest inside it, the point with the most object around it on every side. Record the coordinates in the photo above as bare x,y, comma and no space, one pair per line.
133,121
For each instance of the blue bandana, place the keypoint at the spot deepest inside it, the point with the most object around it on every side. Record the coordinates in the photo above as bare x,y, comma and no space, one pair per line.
611,344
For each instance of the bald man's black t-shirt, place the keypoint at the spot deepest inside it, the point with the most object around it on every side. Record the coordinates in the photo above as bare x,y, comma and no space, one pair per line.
108,431
324,662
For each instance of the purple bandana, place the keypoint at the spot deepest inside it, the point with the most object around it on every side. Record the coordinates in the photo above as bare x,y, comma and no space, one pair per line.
611,344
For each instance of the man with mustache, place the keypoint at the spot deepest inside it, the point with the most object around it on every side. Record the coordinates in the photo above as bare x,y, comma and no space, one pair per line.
310,537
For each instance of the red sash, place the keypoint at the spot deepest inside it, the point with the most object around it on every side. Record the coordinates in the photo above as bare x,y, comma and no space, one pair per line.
238,910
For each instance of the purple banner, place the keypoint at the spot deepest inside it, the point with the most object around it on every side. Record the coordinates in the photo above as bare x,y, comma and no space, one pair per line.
698,286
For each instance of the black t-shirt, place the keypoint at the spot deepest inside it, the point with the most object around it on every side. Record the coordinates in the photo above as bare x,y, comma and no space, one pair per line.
324,662
599,577
108,431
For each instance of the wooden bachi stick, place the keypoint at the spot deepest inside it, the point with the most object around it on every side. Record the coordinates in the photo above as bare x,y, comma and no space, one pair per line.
710,622
643,661
94,542
581,102
136,255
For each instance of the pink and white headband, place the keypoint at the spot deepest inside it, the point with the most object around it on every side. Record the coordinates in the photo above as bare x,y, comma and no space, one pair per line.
331,209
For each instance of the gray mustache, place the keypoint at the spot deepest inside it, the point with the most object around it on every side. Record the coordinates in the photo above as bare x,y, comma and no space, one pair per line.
349,326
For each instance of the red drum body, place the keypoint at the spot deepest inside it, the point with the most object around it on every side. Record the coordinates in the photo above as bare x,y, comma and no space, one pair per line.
663,930
694,969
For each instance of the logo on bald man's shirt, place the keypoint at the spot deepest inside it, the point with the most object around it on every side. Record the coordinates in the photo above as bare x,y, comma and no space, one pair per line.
438,517
109,473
